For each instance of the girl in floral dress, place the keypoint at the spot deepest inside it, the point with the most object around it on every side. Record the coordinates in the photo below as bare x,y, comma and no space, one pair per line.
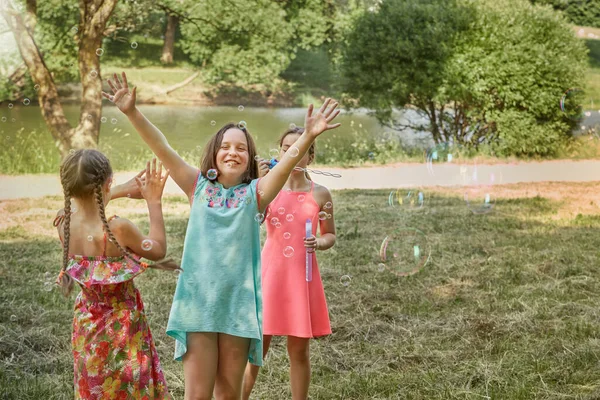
113,351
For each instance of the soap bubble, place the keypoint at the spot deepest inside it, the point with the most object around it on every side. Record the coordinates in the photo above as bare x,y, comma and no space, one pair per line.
240,108
273,153
289,218
442,155
405,251
322,215
407,199
48,286
10,105
278,225
327,205
13,120
281,210
99,52
74,29
36,87
288,251
274,220
48,276
213,122
345,280
371,156
301,198
13,318
381,267
293,151
3,119
287,235
103,119
259,218
292,126
90,238
479,190
93,73
571,103
242,125
113,121
134,45
26,101
146,244
257,158
212,174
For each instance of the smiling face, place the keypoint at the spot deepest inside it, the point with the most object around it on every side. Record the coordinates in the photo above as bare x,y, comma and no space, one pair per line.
231,151
233,154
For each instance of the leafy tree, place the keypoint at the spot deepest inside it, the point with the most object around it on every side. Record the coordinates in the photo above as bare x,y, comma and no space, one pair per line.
579,12
478,72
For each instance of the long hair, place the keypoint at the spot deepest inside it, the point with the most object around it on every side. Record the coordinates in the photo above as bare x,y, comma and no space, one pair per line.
209,156
82,175
298,130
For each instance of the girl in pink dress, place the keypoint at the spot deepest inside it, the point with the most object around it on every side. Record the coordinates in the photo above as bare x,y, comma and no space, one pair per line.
113,351
292,306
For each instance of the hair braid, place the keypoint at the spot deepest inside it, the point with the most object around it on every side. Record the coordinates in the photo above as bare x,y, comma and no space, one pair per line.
165,265
64,280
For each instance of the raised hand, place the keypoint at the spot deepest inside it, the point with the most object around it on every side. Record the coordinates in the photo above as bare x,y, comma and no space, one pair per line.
131,188
153,185
263,167
122,97
319,122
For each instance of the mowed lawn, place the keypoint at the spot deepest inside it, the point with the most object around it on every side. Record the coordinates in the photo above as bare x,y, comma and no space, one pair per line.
507,308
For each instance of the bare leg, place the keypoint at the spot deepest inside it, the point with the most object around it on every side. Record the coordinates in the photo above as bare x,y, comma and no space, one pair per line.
233,356
298,350
200,365
252,370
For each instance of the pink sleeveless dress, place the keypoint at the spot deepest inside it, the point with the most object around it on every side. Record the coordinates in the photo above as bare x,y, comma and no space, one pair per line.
291,305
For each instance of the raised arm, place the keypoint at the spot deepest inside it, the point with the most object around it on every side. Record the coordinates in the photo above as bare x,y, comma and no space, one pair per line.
183,174
314,125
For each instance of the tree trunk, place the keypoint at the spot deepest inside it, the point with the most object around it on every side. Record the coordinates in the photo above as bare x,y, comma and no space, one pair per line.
93,21
169,45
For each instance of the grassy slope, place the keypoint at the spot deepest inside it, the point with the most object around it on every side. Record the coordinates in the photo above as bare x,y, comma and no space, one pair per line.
507,307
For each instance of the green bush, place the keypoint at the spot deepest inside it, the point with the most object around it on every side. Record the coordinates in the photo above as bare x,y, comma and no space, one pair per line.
579,12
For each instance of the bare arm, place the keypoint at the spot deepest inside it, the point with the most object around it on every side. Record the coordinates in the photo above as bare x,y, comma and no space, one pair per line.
270,185
183,174
327,236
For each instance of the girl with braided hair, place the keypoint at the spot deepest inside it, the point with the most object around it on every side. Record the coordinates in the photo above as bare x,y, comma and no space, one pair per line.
114,354
216,316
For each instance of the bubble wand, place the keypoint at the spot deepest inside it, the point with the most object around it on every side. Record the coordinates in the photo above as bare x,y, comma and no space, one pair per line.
308,253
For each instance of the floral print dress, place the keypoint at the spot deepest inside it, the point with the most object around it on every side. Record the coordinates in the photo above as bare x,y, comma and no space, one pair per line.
113,350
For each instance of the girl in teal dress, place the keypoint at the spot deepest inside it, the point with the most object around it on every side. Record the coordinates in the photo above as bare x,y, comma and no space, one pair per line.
216,316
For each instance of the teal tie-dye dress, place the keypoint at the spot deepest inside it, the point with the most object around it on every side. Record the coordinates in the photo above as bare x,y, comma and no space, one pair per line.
219,289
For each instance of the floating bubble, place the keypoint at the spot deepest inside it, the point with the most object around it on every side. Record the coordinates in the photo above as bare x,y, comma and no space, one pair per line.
278,225
103,119
329,216
571,103
48,286
273,153
287,235
301,198
328,205
256,158
13,120
129,195
113,121
345,280
177,271
94,73
259,218
242,125
146,244
294,151
443,154
288,251
72,151
289,218
322,215
408,199
99,52
36,87
10,105
274,220
89,116
371,156
90,238
74,29
134,45
13,318
111,99
479,188
405,251
588,114
3,119
240,108
48,276
380,267
26,101
292,126
213,122
281,210
212,174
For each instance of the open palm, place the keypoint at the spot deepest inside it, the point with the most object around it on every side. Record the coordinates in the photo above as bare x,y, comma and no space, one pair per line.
319,122
122,97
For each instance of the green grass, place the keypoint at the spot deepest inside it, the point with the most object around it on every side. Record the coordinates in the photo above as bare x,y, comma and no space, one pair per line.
507,308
